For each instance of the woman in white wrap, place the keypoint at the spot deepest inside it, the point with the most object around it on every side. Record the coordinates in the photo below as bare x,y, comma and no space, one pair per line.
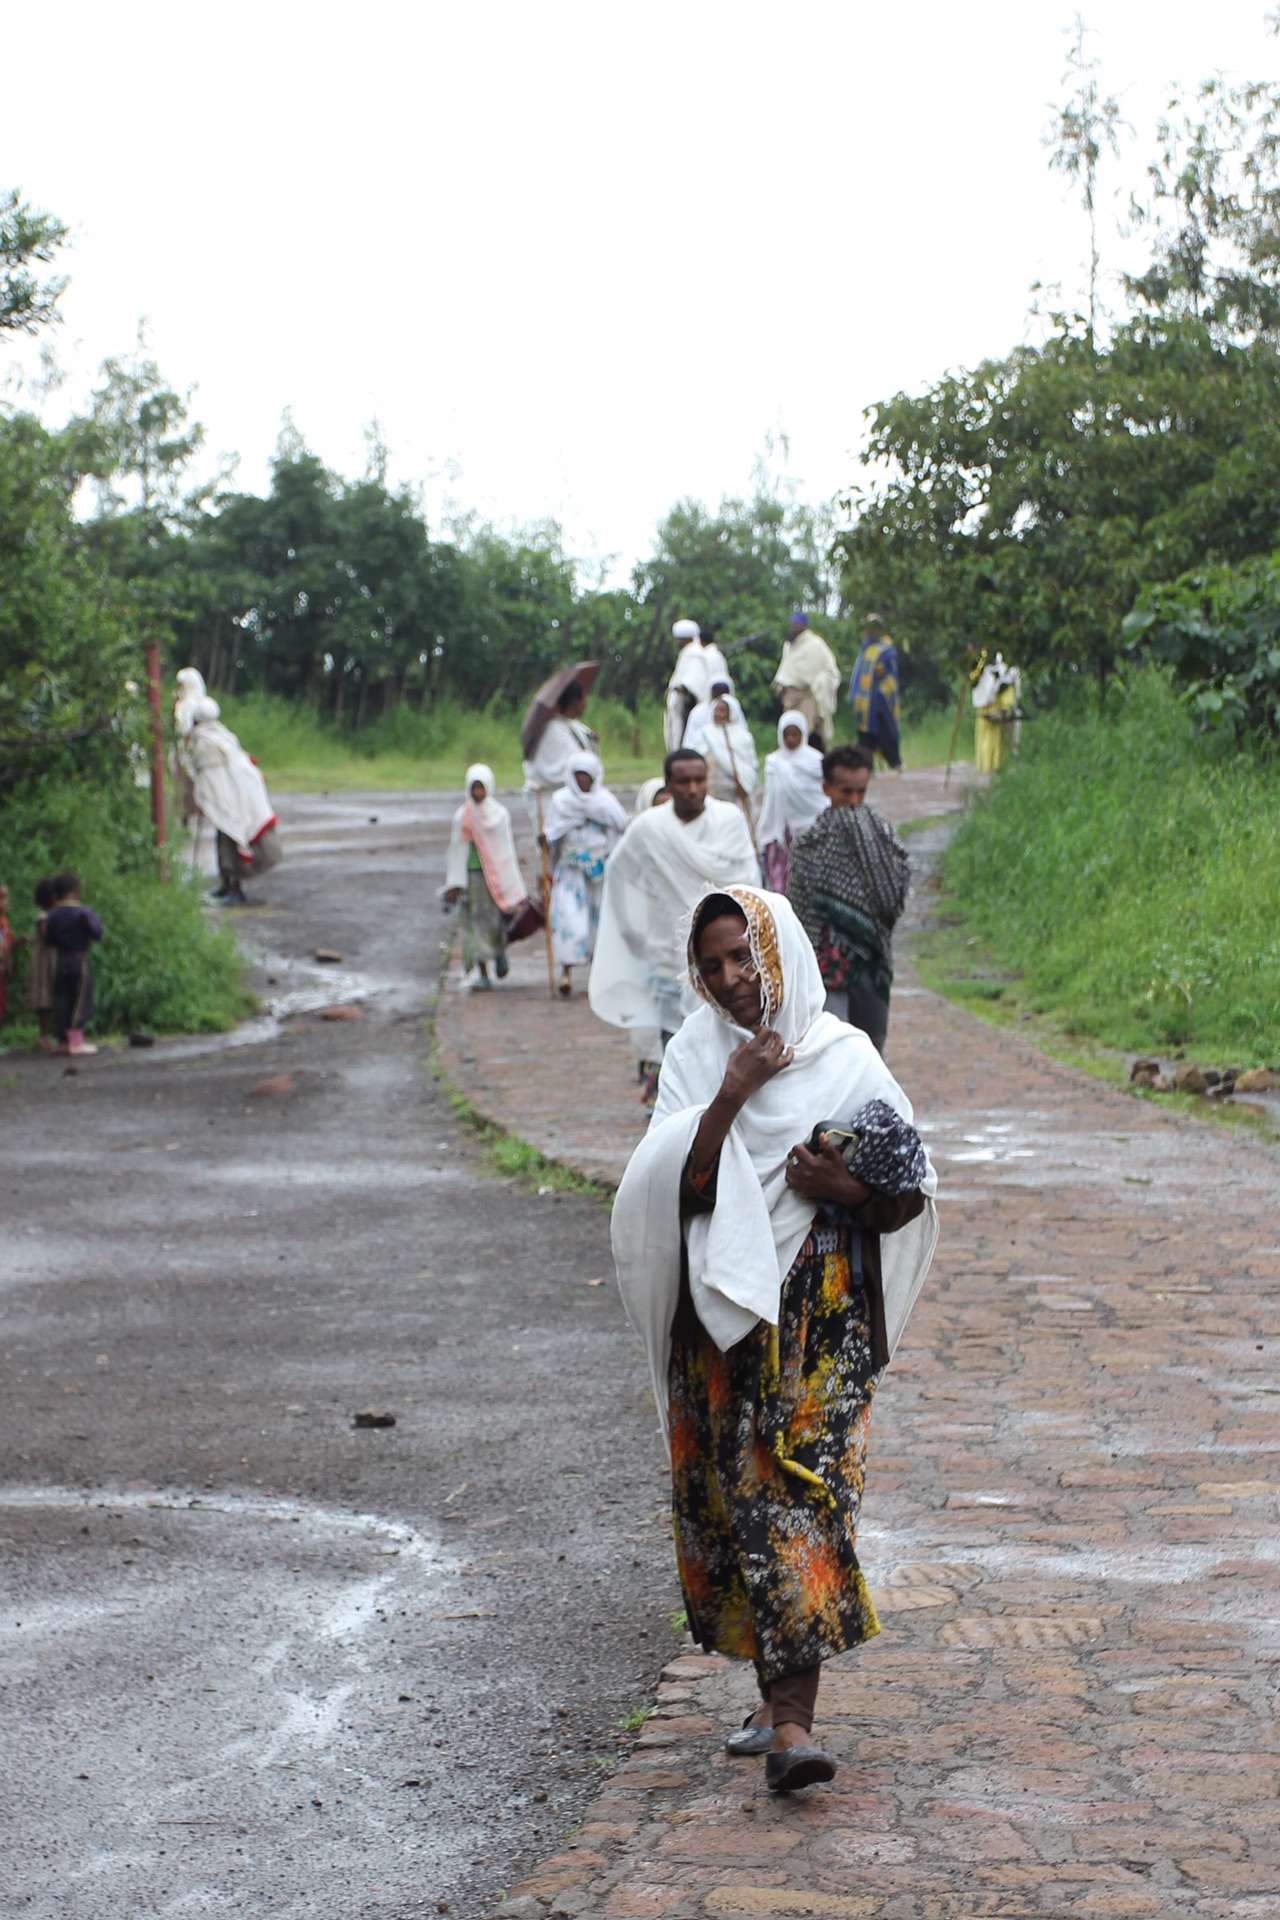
793,798
226,787
583,825
717,729
754,1270
483,873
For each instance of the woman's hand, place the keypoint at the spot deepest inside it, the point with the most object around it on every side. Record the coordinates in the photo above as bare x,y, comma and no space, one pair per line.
752,1064
824,1176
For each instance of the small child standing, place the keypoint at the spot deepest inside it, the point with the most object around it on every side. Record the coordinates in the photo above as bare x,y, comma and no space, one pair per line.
39,996
70,929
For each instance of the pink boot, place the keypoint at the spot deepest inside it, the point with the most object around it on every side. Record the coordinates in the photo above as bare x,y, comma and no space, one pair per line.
76,1042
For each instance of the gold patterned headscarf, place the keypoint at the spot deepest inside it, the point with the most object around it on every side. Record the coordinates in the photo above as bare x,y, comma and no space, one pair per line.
762,938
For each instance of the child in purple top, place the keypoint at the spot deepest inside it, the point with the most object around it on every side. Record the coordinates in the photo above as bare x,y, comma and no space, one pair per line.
71,928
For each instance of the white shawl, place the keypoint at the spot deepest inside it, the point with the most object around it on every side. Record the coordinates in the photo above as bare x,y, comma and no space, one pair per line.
739,1254
656,874
571,807
548,768
487,827
793,796
731,746
229,790
808,663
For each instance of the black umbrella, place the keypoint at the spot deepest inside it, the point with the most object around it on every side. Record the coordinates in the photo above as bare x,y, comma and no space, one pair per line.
546,701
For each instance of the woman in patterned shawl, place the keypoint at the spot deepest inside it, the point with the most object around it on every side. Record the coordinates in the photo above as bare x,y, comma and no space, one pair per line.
753,1270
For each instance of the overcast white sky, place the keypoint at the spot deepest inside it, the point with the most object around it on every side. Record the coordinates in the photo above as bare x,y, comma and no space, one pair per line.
579,257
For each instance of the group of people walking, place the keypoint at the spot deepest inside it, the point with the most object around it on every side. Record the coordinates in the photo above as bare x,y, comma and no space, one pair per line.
777,1220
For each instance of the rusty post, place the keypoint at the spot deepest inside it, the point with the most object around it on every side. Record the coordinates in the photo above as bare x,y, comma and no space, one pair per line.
157,754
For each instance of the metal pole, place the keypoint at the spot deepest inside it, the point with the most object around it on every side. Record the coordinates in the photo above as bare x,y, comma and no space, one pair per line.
157,755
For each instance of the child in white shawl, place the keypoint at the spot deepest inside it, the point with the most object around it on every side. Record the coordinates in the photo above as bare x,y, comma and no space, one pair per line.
768,1262
583,825
483,873
793,798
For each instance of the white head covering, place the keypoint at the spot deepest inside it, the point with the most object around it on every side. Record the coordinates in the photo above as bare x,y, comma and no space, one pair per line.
648,793
486,825
740,1253
685,630
793,796
571,807
732,746
191,701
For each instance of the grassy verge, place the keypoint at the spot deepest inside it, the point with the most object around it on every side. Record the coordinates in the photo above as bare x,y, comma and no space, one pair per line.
1121,883
300,754
162,965
962,968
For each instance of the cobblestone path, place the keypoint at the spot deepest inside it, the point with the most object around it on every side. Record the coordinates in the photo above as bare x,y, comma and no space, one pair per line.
1070,1523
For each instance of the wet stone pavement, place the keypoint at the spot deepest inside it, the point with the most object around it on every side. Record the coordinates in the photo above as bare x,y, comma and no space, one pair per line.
1069,1528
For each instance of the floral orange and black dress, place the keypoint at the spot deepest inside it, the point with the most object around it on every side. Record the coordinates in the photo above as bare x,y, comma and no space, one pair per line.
769,1446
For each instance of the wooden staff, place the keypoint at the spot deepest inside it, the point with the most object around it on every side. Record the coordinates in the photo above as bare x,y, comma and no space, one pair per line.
743,797
546,897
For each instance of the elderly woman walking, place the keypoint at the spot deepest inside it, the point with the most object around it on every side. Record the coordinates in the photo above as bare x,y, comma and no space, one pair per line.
483,874
583,825
771,1234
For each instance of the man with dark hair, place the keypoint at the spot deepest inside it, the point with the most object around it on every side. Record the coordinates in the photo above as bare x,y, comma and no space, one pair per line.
848,885
668,858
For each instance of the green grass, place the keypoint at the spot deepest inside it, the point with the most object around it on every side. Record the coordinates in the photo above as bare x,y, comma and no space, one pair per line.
300,754
1122,881
162,965
511,1158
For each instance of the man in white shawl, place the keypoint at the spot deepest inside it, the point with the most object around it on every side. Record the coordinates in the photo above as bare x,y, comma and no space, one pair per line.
583,825
793,798
808,678
483,876
666,861
698,663
771,1234
226,788
717,729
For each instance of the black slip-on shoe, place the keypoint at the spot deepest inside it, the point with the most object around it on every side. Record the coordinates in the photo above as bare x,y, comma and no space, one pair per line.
796,1767
749,1740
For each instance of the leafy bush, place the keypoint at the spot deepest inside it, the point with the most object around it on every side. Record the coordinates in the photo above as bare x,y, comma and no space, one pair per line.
1131,871
161,965
1219,630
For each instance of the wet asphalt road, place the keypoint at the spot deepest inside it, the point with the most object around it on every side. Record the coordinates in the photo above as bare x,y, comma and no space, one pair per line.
252,1660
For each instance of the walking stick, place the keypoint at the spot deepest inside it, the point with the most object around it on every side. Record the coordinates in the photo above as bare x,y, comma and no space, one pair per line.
546,898
743,799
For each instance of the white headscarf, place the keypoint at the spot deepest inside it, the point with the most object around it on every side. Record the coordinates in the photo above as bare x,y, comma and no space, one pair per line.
191,701
485,824
571,807
740,1253
793,796
732,745
647,794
